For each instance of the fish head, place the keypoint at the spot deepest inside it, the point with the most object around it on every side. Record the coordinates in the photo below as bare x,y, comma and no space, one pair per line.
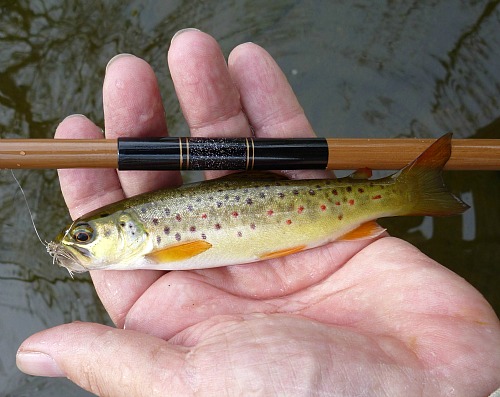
99,242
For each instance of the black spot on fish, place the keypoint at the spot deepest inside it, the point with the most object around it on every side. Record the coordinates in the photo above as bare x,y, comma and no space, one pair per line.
178,236
219,204
217,226
178,217
295,192
143,210
158,239
166,230
190,207
237,198
239,234
226,197
252,226
360,190
167,211
262,195
249,201
281,195
203,236
155,221
348,189
192,229
312,192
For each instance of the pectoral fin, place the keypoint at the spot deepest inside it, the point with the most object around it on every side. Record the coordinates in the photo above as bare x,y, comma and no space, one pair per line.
370,229
283,252
180,252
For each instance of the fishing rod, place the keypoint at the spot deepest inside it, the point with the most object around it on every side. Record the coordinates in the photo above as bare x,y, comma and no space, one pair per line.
183,153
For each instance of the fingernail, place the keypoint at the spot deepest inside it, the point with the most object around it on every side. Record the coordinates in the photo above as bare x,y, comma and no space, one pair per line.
183,31
76,115
38,364
122,55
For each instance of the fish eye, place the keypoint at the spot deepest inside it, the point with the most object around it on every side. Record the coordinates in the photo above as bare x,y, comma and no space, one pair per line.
83,233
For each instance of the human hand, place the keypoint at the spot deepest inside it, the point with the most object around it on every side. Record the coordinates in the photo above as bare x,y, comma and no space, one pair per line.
350,318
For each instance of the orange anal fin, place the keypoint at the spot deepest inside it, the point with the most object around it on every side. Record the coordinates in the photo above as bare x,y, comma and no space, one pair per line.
361,173
179,252
283,252
365,231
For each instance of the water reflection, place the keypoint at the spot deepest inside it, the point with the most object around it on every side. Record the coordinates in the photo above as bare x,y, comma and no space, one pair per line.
359,68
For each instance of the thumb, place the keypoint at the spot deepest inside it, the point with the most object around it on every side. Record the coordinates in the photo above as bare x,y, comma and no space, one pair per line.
105,361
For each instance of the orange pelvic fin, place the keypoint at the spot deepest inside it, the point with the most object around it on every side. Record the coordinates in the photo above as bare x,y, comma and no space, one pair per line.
370,229
180,252
283,252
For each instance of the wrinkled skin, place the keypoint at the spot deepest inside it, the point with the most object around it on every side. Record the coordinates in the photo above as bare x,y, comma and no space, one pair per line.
374,318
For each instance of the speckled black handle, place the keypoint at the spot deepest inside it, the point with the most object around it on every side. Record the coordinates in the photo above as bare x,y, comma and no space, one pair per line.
222,153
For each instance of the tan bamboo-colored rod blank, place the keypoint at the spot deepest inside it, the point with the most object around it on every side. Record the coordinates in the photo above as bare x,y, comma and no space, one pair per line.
392,154
58,153
343,153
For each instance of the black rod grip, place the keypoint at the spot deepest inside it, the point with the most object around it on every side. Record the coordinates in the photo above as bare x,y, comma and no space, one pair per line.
222,153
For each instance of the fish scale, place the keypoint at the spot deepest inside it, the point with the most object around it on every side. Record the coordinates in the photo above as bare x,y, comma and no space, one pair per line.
243,218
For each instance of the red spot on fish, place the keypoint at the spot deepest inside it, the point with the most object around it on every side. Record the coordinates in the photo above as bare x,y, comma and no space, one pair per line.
300,209
323,207
270,212
334,191
192,229
178,218
288,221
252,226
340,217
377,197
217,226
360,190
337,202
351,202
235,214
203,216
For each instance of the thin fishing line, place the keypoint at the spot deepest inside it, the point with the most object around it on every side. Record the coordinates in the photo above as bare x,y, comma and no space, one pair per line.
29,210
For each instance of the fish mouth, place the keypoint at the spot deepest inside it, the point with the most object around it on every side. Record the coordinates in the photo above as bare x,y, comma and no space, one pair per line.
65,257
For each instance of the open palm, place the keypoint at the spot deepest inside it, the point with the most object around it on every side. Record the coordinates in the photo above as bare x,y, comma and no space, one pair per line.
350,318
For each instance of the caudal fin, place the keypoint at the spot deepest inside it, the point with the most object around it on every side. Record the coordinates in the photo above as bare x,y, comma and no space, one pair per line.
422,178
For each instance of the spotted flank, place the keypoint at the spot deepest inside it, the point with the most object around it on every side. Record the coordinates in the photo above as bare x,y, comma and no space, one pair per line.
248,217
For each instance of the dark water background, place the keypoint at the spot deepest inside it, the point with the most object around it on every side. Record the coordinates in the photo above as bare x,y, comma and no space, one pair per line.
360,69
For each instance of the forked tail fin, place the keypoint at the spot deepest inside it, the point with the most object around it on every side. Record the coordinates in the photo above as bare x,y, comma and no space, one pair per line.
422,178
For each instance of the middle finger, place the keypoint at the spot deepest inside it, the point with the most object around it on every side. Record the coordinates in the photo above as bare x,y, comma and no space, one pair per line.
209,100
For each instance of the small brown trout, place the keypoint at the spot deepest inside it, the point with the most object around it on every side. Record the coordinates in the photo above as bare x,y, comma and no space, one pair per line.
243,218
